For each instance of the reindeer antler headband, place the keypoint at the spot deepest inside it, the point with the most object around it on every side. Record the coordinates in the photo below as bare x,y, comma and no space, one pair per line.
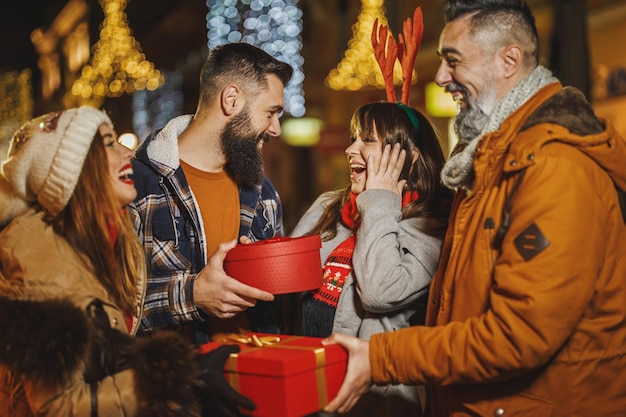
386,51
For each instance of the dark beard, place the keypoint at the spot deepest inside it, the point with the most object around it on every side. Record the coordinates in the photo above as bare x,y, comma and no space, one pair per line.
471,121
244,161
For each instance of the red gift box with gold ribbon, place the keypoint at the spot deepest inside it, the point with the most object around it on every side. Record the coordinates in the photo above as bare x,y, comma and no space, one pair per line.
285,376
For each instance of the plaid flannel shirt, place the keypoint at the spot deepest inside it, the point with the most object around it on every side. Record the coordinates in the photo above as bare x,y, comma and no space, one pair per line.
167,220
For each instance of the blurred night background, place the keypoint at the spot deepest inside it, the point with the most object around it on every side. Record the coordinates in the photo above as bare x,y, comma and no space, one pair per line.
52,51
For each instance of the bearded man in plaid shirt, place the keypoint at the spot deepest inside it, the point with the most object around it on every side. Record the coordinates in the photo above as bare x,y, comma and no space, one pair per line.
201,188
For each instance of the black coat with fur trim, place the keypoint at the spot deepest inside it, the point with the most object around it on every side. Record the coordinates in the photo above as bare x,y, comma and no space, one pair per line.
59,343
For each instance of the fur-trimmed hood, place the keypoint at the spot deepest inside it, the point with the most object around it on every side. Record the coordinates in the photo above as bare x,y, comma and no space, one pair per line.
569,118
45,341
160,149
52,342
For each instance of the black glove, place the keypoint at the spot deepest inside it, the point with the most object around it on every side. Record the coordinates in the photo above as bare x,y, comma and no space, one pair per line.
217,397
108,347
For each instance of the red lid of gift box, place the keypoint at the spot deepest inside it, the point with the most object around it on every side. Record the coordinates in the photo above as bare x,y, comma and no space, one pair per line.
278,265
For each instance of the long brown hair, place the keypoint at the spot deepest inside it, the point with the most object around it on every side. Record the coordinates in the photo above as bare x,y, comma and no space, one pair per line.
393,125
86,221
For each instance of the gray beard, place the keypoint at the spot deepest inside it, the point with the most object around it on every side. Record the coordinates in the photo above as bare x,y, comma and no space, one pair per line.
458,171
470,123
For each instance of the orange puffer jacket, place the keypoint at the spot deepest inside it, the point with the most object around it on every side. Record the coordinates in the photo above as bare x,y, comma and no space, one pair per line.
527,312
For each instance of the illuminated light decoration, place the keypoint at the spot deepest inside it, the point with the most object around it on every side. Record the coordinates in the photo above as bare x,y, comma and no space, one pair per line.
153,109
438,102
303,131
118,65
358,69
129,140
272,25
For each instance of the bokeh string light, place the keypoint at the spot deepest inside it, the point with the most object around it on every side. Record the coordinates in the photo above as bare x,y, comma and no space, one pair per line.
118,64
358,68
153,109
273,25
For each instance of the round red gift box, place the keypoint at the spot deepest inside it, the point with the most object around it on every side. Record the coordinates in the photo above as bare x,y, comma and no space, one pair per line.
279,265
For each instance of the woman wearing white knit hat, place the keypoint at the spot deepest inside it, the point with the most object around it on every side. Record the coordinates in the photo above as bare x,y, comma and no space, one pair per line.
72,280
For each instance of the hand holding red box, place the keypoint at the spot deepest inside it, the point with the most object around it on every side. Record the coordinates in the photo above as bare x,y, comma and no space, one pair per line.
280,265
286,376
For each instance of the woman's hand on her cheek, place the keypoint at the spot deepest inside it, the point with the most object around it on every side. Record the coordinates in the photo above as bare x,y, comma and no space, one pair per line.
385,174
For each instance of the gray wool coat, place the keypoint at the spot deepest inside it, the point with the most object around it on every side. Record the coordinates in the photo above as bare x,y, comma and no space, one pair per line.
393,262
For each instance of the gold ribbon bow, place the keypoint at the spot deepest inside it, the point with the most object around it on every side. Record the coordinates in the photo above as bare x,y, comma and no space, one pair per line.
252,340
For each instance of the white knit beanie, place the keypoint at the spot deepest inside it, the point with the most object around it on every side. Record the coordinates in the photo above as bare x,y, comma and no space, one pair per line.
45,159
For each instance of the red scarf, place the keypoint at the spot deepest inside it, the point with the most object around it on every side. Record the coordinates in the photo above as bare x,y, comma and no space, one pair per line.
339,263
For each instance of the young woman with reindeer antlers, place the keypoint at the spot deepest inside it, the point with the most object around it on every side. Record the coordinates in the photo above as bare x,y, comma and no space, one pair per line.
382,235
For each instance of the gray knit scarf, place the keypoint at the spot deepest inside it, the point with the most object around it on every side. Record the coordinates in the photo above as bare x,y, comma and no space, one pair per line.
458,172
